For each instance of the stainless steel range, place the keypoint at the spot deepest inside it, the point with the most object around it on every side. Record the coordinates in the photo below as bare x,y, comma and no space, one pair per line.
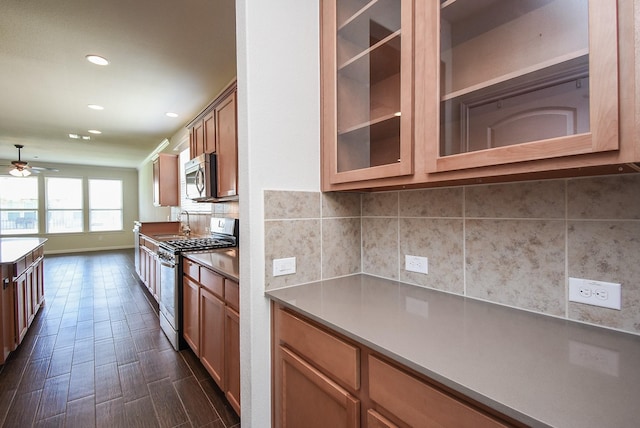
224,234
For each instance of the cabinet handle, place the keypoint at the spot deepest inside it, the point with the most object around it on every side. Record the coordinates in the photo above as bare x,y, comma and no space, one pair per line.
5,283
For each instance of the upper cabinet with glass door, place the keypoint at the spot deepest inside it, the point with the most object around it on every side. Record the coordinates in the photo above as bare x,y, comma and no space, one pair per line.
367,76
524,80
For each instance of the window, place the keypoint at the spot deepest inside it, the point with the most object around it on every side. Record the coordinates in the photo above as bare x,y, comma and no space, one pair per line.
64,205
18,205
105,205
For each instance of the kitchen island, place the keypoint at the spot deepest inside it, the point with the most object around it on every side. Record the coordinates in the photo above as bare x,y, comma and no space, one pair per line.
22,294
537,370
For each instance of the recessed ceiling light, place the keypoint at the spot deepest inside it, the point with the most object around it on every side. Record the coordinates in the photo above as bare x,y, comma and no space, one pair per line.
98,60
95,107
86,137
95,131
171,114
74,136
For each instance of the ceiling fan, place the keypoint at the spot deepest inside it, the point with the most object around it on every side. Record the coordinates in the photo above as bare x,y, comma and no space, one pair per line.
22,169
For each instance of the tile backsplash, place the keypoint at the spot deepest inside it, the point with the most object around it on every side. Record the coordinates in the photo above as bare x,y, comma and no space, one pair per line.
514,244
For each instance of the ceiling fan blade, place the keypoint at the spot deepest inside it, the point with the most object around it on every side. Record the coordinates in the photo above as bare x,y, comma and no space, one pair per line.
41,168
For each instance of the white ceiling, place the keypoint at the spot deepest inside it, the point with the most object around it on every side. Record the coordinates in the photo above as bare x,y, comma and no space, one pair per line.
165,55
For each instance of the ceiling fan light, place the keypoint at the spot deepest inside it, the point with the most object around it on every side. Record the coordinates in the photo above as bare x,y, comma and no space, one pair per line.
95,107
86,137
74,136
20,172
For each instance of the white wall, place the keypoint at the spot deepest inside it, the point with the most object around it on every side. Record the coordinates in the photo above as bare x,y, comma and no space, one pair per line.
279,148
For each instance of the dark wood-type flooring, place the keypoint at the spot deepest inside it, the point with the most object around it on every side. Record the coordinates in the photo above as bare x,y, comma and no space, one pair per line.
95,357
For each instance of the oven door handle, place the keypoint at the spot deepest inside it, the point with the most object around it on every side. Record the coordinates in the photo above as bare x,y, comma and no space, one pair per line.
168,264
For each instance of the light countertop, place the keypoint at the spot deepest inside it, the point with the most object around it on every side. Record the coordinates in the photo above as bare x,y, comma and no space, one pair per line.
13,249
541,370
225,261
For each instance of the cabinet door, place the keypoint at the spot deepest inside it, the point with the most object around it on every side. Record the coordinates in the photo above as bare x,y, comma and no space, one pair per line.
419,404
367,86
520,80
209,127
227,146
191,314
212,344
305,397
165,180
21,308
197,146
376,420
232,357
8,315
39,280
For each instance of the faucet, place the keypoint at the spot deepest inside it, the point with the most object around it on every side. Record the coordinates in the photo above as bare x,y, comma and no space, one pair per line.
186,229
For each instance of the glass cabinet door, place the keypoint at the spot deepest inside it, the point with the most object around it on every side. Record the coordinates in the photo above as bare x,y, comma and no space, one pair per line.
526,79
367,78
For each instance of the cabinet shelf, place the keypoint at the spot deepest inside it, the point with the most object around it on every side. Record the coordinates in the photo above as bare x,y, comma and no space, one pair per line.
457,10
375,63
388,118
553,66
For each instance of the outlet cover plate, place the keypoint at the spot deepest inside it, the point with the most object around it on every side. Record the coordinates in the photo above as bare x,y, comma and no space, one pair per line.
416,264
596,293
285,266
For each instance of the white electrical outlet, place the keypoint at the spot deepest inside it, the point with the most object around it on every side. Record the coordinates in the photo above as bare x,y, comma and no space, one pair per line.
285,266
416,264
597,293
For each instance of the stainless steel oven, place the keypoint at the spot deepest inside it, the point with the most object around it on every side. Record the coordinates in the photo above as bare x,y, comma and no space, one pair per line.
224,234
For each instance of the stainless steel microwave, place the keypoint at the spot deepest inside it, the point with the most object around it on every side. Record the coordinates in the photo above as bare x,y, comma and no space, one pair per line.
200,178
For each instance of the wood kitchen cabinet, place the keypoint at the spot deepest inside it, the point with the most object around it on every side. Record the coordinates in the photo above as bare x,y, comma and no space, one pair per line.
367,101
191,314
501,91
215,131
149,272
211,325
324,379
22,297
165,180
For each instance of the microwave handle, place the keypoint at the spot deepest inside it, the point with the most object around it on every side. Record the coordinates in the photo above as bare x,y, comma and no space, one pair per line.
200,180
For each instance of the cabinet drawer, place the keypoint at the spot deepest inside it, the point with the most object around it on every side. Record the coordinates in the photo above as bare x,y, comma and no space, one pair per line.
19,267
191,269
212,282
232,294
336,357
418,403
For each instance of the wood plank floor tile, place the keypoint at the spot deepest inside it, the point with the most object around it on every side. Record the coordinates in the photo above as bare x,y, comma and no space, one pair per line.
194,364
54,397
174,365
81,413
83,351
107,383
196,403
167,404
140,414
61,361
111,414
43,347
102,330
125,351
22,412
6,398
56,421
84,329
82,381
133,383
34,376
222,406
105,352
